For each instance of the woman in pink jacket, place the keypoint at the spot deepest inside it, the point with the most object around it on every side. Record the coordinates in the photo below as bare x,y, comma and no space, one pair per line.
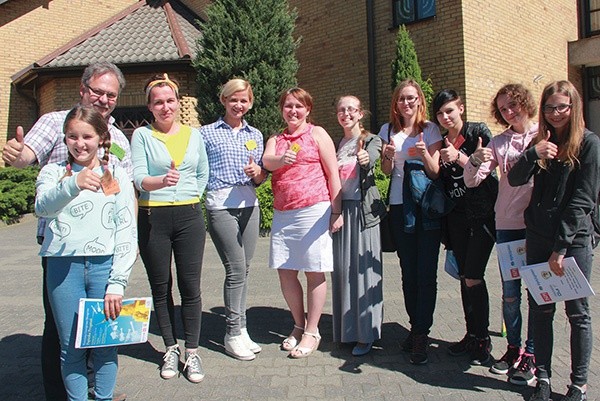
513,107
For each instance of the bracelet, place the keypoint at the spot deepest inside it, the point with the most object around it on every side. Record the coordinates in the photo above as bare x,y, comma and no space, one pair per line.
388,158
457,157
474,161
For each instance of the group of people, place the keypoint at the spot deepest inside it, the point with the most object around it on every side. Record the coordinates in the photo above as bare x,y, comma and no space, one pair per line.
327,211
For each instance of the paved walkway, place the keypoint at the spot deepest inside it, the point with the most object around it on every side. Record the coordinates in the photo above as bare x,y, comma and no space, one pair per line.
330,374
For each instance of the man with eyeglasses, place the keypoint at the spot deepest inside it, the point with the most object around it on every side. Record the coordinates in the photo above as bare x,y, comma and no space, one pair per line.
101,84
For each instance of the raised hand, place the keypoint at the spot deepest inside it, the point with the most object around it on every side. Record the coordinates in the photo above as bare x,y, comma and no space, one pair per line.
88,179
449,154
172,177
361,155
421,146
14,147
481,154
251,169
546,149
289,157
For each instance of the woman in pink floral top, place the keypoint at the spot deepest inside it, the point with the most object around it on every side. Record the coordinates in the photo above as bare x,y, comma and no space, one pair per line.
307,203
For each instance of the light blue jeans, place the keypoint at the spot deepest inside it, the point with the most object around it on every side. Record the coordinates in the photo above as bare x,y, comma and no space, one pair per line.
512,290
69,279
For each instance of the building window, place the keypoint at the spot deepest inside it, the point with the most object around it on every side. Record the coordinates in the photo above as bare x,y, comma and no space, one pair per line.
593,82
592,17
409,11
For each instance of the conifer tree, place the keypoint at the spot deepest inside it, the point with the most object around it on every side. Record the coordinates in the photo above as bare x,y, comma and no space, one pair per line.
250,40
406,64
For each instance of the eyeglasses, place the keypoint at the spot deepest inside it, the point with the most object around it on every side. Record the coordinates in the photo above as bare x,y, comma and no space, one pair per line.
99,93
560,108
410,100
350,110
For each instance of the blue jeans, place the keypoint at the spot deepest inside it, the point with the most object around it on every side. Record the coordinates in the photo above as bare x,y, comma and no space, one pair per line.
234,233
578,313
418,253
511,310
68,280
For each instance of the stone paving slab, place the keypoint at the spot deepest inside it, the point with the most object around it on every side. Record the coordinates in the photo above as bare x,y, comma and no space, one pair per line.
330,374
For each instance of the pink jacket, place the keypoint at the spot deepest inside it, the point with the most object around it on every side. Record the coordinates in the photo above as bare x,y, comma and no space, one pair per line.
506,147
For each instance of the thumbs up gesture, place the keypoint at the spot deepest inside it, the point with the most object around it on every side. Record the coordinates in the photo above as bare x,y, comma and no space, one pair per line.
251,169
362,156
14,148
172,177
421,146
546,149
449,154
481,154
289,157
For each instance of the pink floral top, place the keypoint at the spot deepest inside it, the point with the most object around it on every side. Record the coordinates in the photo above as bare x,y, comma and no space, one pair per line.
303,183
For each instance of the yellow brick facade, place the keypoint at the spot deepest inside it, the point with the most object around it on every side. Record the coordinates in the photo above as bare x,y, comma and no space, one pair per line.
32,30
473,46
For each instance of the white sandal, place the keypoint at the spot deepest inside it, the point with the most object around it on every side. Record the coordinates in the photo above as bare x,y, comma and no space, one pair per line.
290,341
303,352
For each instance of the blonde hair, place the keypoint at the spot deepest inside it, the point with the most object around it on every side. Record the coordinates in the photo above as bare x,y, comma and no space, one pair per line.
396,118
569,143
236,85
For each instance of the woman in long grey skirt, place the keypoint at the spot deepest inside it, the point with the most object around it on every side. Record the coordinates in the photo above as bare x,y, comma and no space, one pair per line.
357,272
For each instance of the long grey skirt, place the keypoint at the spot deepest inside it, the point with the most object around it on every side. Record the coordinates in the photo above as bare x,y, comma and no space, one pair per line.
357,287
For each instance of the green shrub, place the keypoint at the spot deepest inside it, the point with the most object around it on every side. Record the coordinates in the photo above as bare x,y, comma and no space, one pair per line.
17,192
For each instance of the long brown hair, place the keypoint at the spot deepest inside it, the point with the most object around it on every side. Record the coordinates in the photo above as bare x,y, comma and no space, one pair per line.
396,118
569,144
92,117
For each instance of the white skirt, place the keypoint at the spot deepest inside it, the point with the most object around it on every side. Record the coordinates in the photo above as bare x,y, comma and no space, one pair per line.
300,239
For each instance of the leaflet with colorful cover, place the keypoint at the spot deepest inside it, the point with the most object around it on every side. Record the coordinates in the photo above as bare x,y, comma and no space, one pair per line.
131,327
546,287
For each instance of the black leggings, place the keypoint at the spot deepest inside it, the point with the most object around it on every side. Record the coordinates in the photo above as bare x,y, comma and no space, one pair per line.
472,245
179,231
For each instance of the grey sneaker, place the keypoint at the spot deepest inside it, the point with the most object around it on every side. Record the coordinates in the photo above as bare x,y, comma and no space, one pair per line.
509,360
171,365
193,367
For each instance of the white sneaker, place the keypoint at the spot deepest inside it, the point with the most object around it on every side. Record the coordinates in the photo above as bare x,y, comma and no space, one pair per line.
251,345
235,347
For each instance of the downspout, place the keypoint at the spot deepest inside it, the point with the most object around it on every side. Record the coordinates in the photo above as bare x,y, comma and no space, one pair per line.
371,64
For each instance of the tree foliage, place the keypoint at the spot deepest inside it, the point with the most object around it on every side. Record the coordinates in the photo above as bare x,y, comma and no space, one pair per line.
406,64
251,40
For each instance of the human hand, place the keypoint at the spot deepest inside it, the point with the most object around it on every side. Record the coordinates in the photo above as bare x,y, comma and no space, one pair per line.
421,146
252,169
361,155
336,221
13,148
389,151
546,149
481,154
555,263
88,179
449,154
289,157
172,177
112,306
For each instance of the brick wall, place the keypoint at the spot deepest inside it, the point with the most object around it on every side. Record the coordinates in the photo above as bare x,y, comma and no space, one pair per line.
28,32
